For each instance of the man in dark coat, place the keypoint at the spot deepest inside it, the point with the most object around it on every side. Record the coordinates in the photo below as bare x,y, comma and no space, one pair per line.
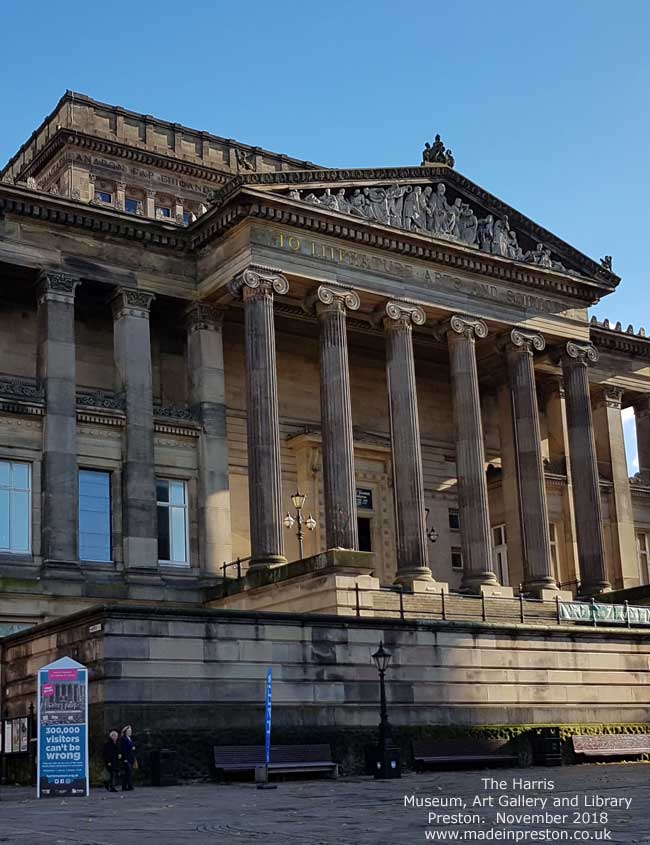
111,753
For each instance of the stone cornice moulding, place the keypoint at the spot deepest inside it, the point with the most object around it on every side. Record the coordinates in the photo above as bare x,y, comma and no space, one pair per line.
610,340
340,177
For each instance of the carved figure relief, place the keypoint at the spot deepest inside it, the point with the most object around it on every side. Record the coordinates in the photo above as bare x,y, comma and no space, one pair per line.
425,209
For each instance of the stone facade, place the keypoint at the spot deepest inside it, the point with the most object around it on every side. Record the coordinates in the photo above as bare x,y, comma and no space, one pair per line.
188,679
263,338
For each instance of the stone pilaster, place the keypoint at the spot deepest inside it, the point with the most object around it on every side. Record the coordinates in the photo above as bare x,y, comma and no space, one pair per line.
208,403
642,421
476,542
612,463
132,352
57,376
412,558
519,347
330,305
256,285
575,360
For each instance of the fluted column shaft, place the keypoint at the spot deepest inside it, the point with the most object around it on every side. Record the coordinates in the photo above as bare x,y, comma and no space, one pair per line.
536,541
256,286
132,352
412,557
470,455
57,376
208,401
642,421
336,416
584,467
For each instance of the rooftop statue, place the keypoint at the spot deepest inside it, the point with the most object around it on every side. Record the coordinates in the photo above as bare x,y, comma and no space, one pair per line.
437,154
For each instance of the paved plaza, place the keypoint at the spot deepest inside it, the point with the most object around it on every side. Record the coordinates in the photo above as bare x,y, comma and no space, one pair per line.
578,803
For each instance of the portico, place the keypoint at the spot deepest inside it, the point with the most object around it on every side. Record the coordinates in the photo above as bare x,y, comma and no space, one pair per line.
402,347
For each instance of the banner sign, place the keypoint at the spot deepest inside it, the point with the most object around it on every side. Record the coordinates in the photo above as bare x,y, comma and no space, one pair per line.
267,716
62,730
609,614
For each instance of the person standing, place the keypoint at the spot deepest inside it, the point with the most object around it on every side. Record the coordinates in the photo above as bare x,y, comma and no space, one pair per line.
127,750
111,755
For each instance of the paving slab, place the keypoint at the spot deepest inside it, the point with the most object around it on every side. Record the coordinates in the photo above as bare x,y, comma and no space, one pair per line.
575,803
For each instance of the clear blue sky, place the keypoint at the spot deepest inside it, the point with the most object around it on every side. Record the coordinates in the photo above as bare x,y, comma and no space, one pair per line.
545,104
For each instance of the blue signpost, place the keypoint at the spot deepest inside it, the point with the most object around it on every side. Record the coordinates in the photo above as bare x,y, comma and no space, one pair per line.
267,718
62,730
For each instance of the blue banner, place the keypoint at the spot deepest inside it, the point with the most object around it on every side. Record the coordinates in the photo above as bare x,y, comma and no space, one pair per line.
62,730
267,715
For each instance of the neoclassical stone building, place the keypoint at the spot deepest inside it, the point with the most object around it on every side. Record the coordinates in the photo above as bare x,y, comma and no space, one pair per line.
191,329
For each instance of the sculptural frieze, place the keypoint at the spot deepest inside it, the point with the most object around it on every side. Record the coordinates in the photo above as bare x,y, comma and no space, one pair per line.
426,209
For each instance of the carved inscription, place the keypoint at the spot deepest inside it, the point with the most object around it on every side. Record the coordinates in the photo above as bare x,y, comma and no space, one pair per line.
417,273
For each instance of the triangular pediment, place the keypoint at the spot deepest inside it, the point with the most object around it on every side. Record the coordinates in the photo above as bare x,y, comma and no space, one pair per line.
433,201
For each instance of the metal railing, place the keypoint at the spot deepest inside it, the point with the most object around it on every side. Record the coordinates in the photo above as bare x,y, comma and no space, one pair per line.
464,607
235,563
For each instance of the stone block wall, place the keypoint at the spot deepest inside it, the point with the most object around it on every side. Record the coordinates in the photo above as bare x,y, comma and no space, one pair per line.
189,679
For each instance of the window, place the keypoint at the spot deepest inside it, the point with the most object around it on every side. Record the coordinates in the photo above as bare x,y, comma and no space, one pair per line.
500,547
365,534
643,554
555,553
163,211
188,217
131,206
456,558
454,519
104,196
15,506
95,515
172,521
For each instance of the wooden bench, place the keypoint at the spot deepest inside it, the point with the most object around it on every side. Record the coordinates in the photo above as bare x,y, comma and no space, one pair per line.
611,745
468,750
285,759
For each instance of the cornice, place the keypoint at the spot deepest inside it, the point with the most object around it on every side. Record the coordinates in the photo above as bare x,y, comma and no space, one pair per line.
276,209
327,177
73,137
611,340
26,202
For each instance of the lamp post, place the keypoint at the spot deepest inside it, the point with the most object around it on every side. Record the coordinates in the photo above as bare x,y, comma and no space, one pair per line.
388,763
298,500
432,534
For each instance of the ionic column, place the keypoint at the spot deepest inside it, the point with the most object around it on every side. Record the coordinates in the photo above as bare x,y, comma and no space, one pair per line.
476,542
610,453
412,558
132,352
57,376
575,359
330,305
256,286
642,421
519,347
208,403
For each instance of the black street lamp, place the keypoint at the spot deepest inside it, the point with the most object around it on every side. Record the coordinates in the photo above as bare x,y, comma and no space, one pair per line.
388,763
298,500
432,534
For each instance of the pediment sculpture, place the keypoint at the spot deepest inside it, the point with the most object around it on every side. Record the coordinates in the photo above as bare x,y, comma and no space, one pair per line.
425,209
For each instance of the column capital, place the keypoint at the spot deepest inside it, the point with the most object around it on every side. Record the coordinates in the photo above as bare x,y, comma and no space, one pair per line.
521,341
577,353
461,325
641,405
202,316
54,286
131,302
395,315
325,298
257,280
610,396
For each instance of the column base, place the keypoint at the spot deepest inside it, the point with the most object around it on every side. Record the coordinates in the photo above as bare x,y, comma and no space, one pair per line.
409,577
595,589
266,561
539,586
473,583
